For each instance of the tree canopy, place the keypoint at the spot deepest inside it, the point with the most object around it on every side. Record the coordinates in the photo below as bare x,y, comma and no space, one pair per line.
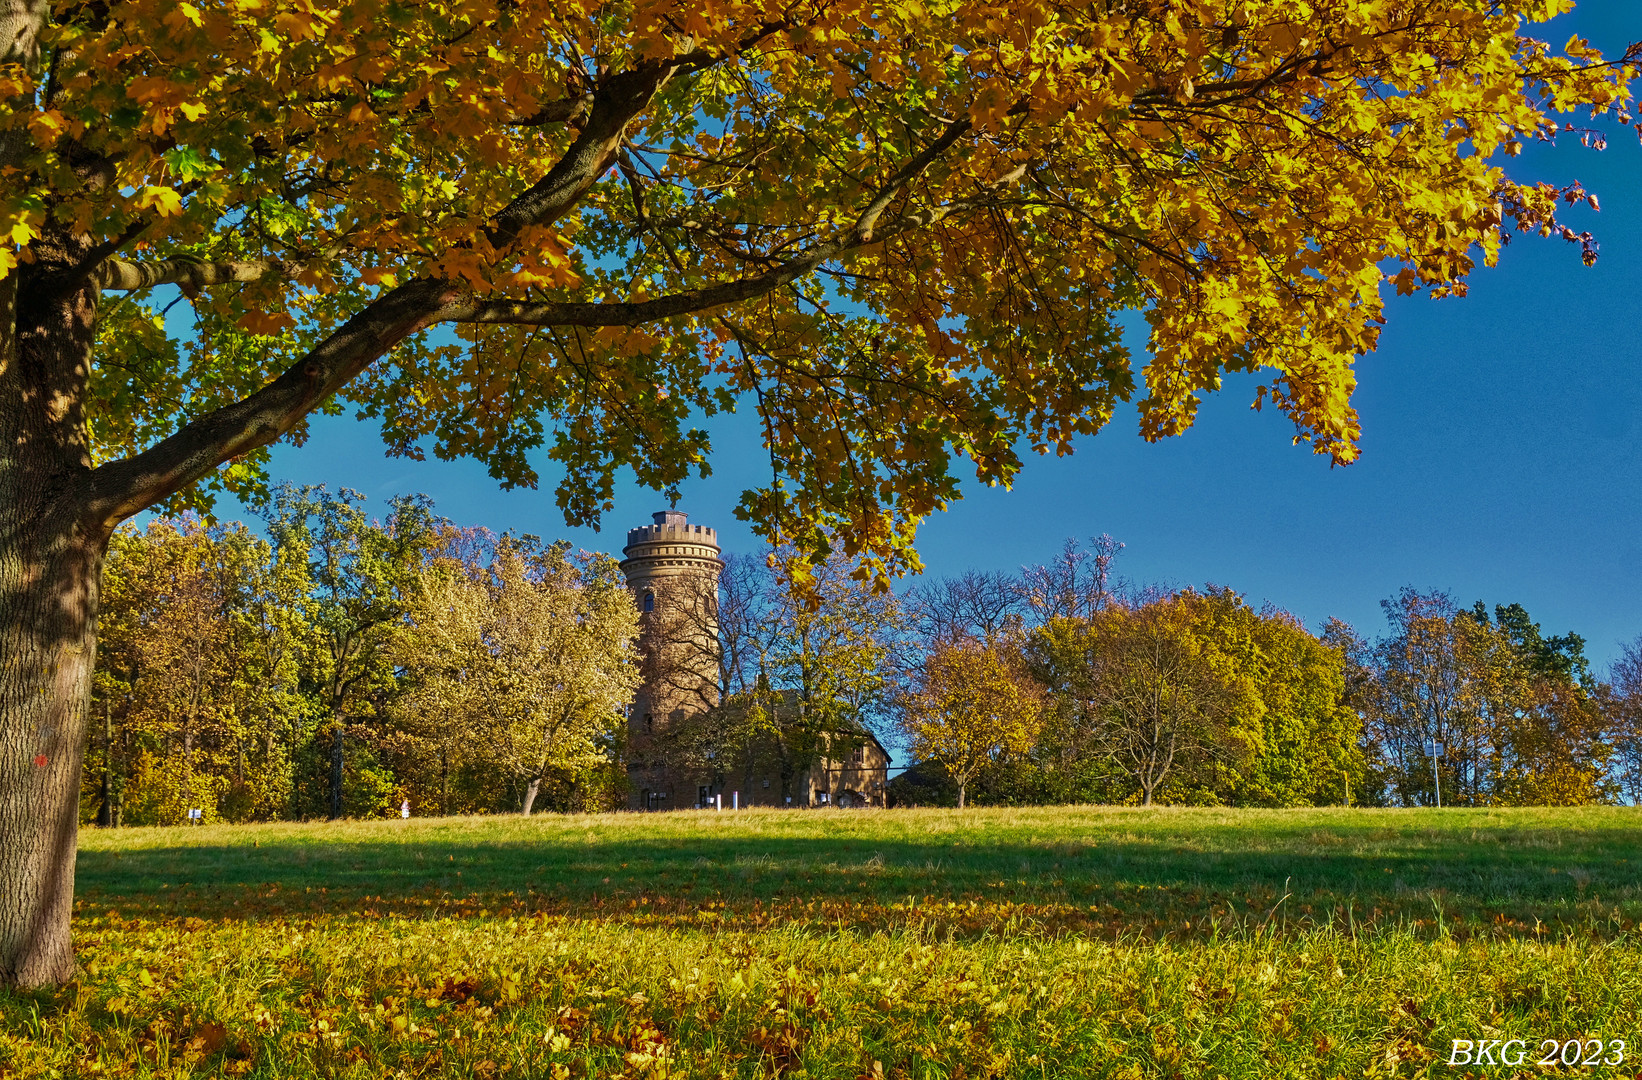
968,710
901,232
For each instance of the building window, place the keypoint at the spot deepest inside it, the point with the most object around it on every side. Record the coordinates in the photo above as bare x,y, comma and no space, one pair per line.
649,601
860,755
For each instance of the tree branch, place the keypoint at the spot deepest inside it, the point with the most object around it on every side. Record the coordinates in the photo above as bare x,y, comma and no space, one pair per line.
564,313
123,275
123,488
875,209
550,313
564,110
561,313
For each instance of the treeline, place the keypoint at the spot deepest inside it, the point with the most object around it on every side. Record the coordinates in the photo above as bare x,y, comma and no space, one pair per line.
339,665
1194,697
344,665
1064,683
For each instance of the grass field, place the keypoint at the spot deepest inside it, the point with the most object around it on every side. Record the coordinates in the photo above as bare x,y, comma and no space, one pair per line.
912,944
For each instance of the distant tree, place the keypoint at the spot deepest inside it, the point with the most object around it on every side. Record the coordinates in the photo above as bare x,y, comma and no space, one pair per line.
363,575
829,653
443,655
1028,616
1199,697
529,661
197,685
275,643
1072,738
1548,742
806,668
1307,751
1621,701
1512,710
166,677
1172,705
975,605
1553,748
1423,688
1077,584
1560,658
968,710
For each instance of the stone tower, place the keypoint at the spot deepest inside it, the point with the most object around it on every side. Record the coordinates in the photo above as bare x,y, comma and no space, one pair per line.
672,568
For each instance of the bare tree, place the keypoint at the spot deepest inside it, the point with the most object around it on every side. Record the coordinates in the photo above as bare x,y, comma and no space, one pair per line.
1622,700
1077,584
974,606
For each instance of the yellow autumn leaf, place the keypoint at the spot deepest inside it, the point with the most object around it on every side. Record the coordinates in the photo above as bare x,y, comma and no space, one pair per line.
162,200
182,15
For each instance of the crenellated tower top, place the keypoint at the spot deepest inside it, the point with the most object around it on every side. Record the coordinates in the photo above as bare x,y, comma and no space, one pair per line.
670,548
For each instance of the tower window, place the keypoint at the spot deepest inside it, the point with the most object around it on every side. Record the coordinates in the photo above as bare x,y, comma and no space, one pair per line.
649,601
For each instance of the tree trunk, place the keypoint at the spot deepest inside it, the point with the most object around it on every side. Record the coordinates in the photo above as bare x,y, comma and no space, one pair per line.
962,787
105,812
530,794
48,644
51,554
336,771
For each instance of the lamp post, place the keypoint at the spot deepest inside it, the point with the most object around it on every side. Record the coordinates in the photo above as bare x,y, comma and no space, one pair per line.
1436,779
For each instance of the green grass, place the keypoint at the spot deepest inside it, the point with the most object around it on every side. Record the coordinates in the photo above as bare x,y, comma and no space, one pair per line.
917,944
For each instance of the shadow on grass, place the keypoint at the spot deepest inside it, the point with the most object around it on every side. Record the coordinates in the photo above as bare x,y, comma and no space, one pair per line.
1520,883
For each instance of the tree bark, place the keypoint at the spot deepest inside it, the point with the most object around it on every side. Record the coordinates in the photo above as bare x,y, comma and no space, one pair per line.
51,555
961,791
48,644
530,794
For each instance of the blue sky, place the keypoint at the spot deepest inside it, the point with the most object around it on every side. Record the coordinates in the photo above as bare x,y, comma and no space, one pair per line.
1500,451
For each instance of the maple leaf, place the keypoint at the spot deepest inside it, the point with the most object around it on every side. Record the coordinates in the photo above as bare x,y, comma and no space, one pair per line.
162,200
